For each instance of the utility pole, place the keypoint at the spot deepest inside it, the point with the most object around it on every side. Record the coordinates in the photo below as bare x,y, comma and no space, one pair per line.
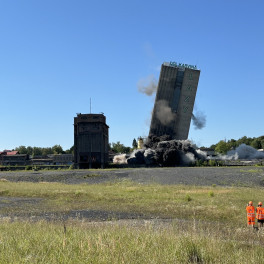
90,105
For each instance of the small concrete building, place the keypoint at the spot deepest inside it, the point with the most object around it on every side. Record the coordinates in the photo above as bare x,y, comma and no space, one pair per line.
90,141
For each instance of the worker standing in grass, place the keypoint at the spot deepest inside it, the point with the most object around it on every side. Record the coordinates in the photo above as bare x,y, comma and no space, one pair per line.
260,214
250,214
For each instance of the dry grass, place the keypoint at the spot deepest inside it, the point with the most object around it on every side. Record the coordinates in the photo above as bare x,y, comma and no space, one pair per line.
138,242
209,225
225,204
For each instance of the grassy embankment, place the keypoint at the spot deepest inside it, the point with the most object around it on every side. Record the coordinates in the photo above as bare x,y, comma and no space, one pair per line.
214,232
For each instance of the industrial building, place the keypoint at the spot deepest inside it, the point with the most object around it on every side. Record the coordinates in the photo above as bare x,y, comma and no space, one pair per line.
90,141
14,158
174,101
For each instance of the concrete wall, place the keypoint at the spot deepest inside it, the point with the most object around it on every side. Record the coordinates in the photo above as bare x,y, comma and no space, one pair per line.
186,103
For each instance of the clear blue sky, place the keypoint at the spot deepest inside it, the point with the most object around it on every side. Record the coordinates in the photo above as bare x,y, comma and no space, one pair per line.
56,54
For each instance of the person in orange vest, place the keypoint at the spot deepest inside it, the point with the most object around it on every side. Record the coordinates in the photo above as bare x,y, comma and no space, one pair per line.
260,214
250,214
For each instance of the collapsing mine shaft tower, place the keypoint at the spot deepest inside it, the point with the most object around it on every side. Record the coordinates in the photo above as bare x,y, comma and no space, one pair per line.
174,102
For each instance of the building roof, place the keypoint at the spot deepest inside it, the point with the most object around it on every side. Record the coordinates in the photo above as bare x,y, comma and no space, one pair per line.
12,152
9,152
16,155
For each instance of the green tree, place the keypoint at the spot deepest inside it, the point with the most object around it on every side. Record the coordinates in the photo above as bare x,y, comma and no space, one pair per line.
256,143
29,150
134,144
70,151
213,146
46,151
57,149
244,140
222,147
212,163
262,143
21,150
232,144
120,148
37,151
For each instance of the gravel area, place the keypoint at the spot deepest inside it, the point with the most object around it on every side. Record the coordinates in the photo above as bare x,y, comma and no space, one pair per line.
222,176
17,201
87,215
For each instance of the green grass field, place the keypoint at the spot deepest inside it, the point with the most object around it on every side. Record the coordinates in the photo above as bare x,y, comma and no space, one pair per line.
208,224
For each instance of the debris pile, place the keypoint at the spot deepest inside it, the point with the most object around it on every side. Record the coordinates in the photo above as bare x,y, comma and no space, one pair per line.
163,151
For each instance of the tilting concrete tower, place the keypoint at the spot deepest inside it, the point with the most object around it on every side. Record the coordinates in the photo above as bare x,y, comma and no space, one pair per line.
174,101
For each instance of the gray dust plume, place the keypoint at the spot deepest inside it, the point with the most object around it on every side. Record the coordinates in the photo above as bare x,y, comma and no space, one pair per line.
243,151
199,120
164,112
148,85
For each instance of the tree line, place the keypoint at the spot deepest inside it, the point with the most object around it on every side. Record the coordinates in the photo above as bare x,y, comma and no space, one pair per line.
57,149
222,147
38,151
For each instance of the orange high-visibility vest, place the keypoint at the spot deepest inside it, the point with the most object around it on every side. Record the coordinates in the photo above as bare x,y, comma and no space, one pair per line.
250,211
260,213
